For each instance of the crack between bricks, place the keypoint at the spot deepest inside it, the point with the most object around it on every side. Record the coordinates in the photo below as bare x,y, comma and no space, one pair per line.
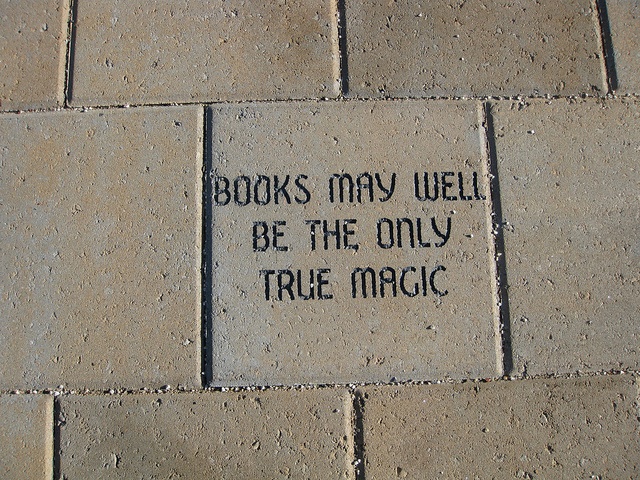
502,314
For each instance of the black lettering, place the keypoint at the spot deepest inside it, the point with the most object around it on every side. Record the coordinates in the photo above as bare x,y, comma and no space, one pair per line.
427,190
326,233
444,236
267,190
419,234
277,234
389,227
387,191
361,185
311,290
445,185
312,231
257,235
341,177
285,286
408,293
476,194
266,274
219,190
409,223
439,293
320,281
303,189
346,233
280,189
236,190
461,188
363,281
388,280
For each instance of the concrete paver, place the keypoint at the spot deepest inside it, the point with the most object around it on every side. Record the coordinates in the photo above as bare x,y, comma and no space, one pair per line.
294,302
161,52
26,436
624,21
455,48
569,189
271,434
584,428
100,258
33,36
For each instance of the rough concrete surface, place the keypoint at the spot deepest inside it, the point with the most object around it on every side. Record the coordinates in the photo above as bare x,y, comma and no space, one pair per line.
272,434
475,47
584,428
33,37
416,325
569,184
26,436
100,262
624,21
160,52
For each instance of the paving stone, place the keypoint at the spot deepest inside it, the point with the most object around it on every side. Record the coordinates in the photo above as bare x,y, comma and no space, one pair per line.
160,52
624,21
99,268
456,48
576,428
433,320
270,434
33,36
569,183
26,436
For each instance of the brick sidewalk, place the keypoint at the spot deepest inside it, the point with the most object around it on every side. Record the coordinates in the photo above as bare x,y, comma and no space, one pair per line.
320,239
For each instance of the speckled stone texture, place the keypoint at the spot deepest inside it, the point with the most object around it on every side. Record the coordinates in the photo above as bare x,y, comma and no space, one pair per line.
584,428
274,434
475,47
100,258
434,320
569,183
26,436
624,21
33,36
161,52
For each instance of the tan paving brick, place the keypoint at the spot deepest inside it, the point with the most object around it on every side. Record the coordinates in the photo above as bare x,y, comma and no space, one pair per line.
133,52
585,428
433,320
569,183
33,36
271,434
455,48
26,436
624,21
99,264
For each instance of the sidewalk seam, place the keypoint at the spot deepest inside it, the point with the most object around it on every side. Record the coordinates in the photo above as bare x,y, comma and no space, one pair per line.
607,60
503,317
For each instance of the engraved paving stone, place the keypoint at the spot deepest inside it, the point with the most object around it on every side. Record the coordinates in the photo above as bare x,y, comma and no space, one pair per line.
569,184
100,258
348,242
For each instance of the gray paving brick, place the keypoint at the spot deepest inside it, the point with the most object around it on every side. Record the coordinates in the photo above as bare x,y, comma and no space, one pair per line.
624,21
456,48
33,36
272,434
569,188
100,258
264,333
585,428
26,436
160,52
